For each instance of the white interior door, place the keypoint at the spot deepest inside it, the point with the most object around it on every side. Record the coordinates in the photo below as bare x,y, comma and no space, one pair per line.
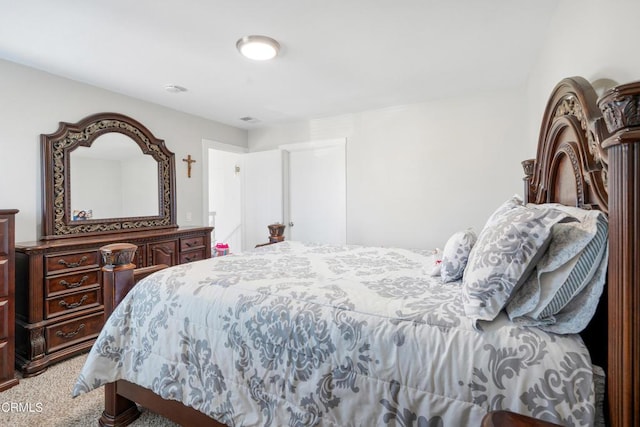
316,190
262,182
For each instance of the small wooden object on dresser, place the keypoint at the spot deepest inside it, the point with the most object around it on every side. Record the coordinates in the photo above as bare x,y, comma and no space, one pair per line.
7,294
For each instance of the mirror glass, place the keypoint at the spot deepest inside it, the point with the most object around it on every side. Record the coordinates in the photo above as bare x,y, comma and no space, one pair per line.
112,179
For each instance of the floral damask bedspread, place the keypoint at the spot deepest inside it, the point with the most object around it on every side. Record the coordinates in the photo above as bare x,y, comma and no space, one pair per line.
299,334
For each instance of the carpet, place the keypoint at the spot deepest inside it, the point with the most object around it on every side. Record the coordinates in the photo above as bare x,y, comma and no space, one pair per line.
45,400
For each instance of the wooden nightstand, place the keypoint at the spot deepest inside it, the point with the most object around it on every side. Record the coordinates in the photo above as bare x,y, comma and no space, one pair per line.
511,419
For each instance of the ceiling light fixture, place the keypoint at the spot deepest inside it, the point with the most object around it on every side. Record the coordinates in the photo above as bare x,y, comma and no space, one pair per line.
258,48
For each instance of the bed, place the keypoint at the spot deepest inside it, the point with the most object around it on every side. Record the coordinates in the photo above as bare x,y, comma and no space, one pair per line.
307,334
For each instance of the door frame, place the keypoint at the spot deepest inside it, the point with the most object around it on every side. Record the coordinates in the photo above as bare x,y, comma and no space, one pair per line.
207,145
303,146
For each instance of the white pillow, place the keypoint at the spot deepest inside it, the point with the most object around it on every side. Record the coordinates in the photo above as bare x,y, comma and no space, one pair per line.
456,254
506,252
572,264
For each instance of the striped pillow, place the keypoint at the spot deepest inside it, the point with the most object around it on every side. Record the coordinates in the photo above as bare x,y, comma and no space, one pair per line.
571,265
582,268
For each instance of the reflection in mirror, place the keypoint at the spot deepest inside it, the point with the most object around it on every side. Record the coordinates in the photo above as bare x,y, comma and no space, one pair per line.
113,179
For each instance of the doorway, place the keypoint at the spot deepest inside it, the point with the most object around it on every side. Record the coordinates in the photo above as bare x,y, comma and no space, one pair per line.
222,192
242,194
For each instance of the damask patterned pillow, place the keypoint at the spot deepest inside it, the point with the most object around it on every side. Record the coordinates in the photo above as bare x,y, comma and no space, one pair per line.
456,253
513,202
507,250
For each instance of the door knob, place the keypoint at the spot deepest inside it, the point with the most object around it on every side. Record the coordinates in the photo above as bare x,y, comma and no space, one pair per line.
290,223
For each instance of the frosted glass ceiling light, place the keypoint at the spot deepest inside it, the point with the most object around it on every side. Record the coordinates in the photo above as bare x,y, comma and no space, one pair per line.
259,48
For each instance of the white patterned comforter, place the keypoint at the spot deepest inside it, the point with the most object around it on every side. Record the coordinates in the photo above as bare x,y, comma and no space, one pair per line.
298,334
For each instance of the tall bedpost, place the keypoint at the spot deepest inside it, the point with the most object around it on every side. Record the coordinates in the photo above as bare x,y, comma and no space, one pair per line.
620,107
117,273
117,280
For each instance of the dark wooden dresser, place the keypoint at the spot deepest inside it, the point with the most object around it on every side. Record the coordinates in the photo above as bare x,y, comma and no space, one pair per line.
59,300
7,292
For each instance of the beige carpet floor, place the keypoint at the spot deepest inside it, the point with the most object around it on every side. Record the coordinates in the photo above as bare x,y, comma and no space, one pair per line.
45,400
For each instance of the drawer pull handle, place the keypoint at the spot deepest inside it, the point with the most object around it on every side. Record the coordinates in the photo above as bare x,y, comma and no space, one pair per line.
66,305
188,244
75,284
73,264
70,334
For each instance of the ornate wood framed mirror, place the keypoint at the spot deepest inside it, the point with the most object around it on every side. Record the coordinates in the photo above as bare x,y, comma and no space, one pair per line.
106,174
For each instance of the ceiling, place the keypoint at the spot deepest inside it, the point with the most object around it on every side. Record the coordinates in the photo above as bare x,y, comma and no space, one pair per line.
337,56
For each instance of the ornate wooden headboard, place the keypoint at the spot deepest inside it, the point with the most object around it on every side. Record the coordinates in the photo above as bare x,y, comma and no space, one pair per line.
592,161
571,168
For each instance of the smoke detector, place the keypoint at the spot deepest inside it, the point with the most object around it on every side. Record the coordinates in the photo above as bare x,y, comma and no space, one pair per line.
249,119
174,88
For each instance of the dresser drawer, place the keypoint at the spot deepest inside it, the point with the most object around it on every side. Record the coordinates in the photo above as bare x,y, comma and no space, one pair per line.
71,282
60,263
70,302
163,253
73,331
191,256
4,277
4,319
4,236
188,243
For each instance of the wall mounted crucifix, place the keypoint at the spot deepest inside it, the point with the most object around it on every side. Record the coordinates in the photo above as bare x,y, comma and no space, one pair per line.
189,160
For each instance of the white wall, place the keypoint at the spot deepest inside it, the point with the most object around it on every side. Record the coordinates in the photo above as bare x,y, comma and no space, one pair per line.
594,39
34,102
418,173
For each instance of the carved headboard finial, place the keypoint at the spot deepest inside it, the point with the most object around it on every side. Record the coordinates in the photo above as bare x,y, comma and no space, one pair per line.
620,107
118,254
528,165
